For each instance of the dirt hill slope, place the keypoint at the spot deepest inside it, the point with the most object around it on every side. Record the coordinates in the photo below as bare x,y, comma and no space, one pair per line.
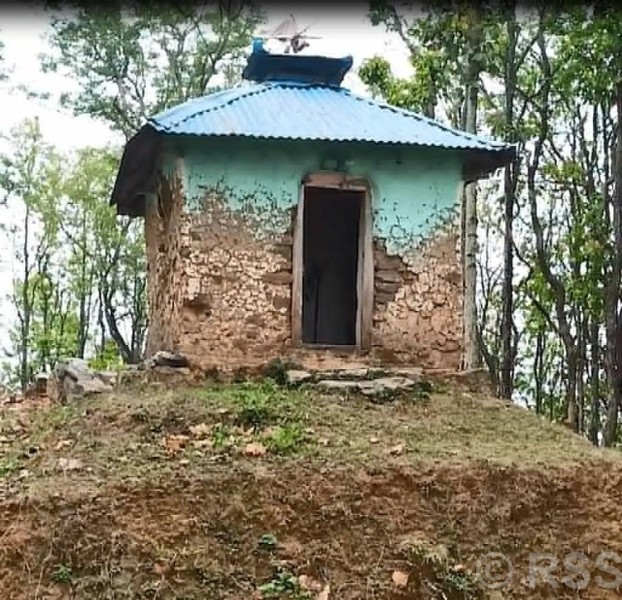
254,491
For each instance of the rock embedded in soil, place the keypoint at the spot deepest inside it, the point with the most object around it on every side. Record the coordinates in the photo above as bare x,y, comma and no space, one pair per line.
400,579
73,379
334,384
164,358
40,383
295,377
309,584
354,373
369,387
385,384
254,449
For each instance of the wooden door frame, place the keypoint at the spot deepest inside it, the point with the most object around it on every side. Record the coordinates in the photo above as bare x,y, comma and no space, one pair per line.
365,266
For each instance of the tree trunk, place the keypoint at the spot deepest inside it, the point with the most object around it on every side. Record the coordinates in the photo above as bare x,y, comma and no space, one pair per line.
594,428
581,367
538,367
570,400
472,354
614,326
24,372
509,185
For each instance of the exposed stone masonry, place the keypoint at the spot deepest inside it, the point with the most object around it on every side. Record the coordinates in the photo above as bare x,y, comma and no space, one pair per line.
166,274
417,304
220,291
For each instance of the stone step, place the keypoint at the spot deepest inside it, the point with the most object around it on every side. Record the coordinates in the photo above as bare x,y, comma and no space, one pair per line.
369,387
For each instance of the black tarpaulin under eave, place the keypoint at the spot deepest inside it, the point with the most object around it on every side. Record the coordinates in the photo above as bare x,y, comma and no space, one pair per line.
137,175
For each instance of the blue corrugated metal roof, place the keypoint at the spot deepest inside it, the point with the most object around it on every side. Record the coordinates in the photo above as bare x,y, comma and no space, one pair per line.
299,111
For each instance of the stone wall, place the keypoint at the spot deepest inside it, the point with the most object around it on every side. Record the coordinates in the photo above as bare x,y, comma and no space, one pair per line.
236,304
418,304
220,290
165,268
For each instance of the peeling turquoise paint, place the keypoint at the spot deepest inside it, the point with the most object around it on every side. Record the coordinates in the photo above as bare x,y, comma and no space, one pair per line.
412,189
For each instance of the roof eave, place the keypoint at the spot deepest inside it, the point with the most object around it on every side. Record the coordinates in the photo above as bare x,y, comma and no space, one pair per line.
136,177
137,174
479,164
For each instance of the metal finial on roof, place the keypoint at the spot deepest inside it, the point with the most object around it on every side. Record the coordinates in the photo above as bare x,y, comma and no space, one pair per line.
288,33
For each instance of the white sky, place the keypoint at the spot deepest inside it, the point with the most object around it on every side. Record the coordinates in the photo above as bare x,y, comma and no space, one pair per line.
343,30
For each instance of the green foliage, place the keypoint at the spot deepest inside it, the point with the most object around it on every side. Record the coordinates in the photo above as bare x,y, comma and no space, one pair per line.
517,55
443,65
589,50
267,541
78,268
109,263
260,404
3,75
63,574
8,465
133,61
411,94
255,410
277,371
222,437
286,439
284,585
462,583
107,358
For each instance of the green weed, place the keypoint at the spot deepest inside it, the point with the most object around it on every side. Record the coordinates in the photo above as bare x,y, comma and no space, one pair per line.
267,541
63,574
284,585
286,439
222,437
8,464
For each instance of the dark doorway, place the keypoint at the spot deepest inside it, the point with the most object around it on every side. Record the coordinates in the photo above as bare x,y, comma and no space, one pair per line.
331,222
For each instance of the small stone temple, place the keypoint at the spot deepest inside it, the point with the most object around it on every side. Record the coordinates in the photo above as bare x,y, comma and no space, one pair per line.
290,218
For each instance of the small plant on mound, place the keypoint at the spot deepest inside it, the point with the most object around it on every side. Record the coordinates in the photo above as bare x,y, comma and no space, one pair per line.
285,439
262,405
108,359
62,574
423,389
222,437
437,573
460,582
255,411
284,585
8,464
267,542
55,418
257,404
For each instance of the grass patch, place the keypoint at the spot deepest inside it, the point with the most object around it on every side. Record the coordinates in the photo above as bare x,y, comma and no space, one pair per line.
223,437
284,585
8,465
286,439
256,405
124,435
62,574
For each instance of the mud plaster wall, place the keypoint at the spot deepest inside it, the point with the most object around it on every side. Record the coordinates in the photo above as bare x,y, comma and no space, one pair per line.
165,271
234,248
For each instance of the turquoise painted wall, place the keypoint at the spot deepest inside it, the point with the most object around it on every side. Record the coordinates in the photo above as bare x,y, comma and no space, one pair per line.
412,189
